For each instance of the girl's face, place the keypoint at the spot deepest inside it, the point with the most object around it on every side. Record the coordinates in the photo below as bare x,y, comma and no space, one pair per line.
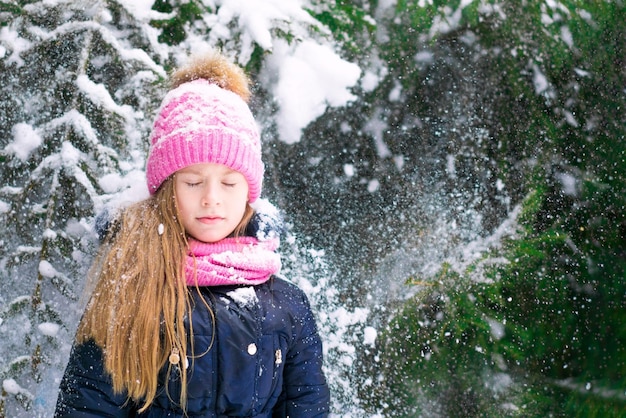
211,200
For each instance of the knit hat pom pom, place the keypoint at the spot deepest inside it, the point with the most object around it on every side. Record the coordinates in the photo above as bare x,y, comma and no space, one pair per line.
216,69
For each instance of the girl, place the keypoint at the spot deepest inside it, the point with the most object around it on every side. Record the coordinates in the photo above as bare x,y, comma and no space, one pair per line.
188,317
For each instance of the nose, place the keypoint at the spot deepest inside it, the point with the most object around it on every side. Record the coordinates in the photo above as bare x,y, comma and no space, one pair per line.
211,196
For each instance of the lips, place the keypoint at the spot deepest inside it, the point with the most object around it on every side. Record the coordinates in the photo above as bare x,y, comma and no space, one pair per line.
210,219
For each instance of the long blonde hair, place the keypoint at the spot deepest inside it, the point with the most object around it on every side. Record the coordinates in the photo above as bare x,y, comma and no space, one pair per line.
138,305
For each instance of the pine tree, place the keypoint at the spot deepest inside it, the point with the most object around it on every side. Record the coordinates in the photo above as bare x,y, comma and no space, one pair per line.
77,83
533,325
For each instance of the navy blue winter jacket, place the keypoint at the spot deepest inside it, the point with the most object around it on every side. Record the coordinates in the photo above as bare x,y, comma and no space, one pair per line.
265,361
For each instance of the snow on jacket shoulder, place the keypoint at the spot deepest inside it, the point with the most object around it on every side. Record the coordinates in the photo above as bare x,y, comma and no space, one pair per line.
260,357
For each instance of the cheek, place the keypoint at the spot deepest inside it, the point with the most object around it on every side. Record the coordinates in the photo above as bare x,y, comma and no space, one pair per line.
243,198
181,200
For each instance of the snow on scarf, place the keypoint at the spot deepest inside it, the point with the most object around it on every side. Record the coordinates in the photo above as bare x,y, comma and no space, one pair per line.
242,260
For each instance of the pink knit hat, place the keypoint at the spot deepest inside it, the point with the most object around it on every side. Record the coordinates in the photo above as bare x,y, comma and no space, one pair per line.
201,122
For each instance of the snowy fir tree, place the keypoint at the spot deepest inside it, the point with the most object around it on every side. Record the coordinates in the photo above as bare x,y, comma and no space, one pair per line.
72,123
453,175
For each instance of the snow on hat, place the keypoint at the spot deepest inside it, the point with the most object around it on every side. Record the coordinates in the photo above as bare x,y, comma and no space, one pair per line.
205,118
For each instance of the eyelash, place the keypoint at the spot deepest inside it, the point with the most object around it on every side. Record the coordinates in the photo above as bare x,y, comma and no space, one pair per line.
199,183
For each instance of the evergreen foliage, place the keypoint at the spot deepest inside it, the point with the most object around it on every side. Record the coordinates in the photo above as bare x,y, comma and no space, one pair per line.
535,327
67,139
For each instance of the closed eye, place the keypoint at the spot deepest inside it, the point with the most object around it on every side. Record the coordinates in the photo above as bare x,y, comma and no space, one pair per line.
193,184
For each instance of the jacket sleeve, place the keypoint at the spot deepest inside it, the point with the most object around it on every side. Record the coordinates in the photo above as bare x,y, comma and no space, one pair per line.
86,390
305,391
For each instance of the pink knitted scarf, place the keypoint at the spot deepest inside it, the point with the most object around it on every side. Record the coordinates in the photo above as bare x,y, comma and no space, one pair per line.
242,260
